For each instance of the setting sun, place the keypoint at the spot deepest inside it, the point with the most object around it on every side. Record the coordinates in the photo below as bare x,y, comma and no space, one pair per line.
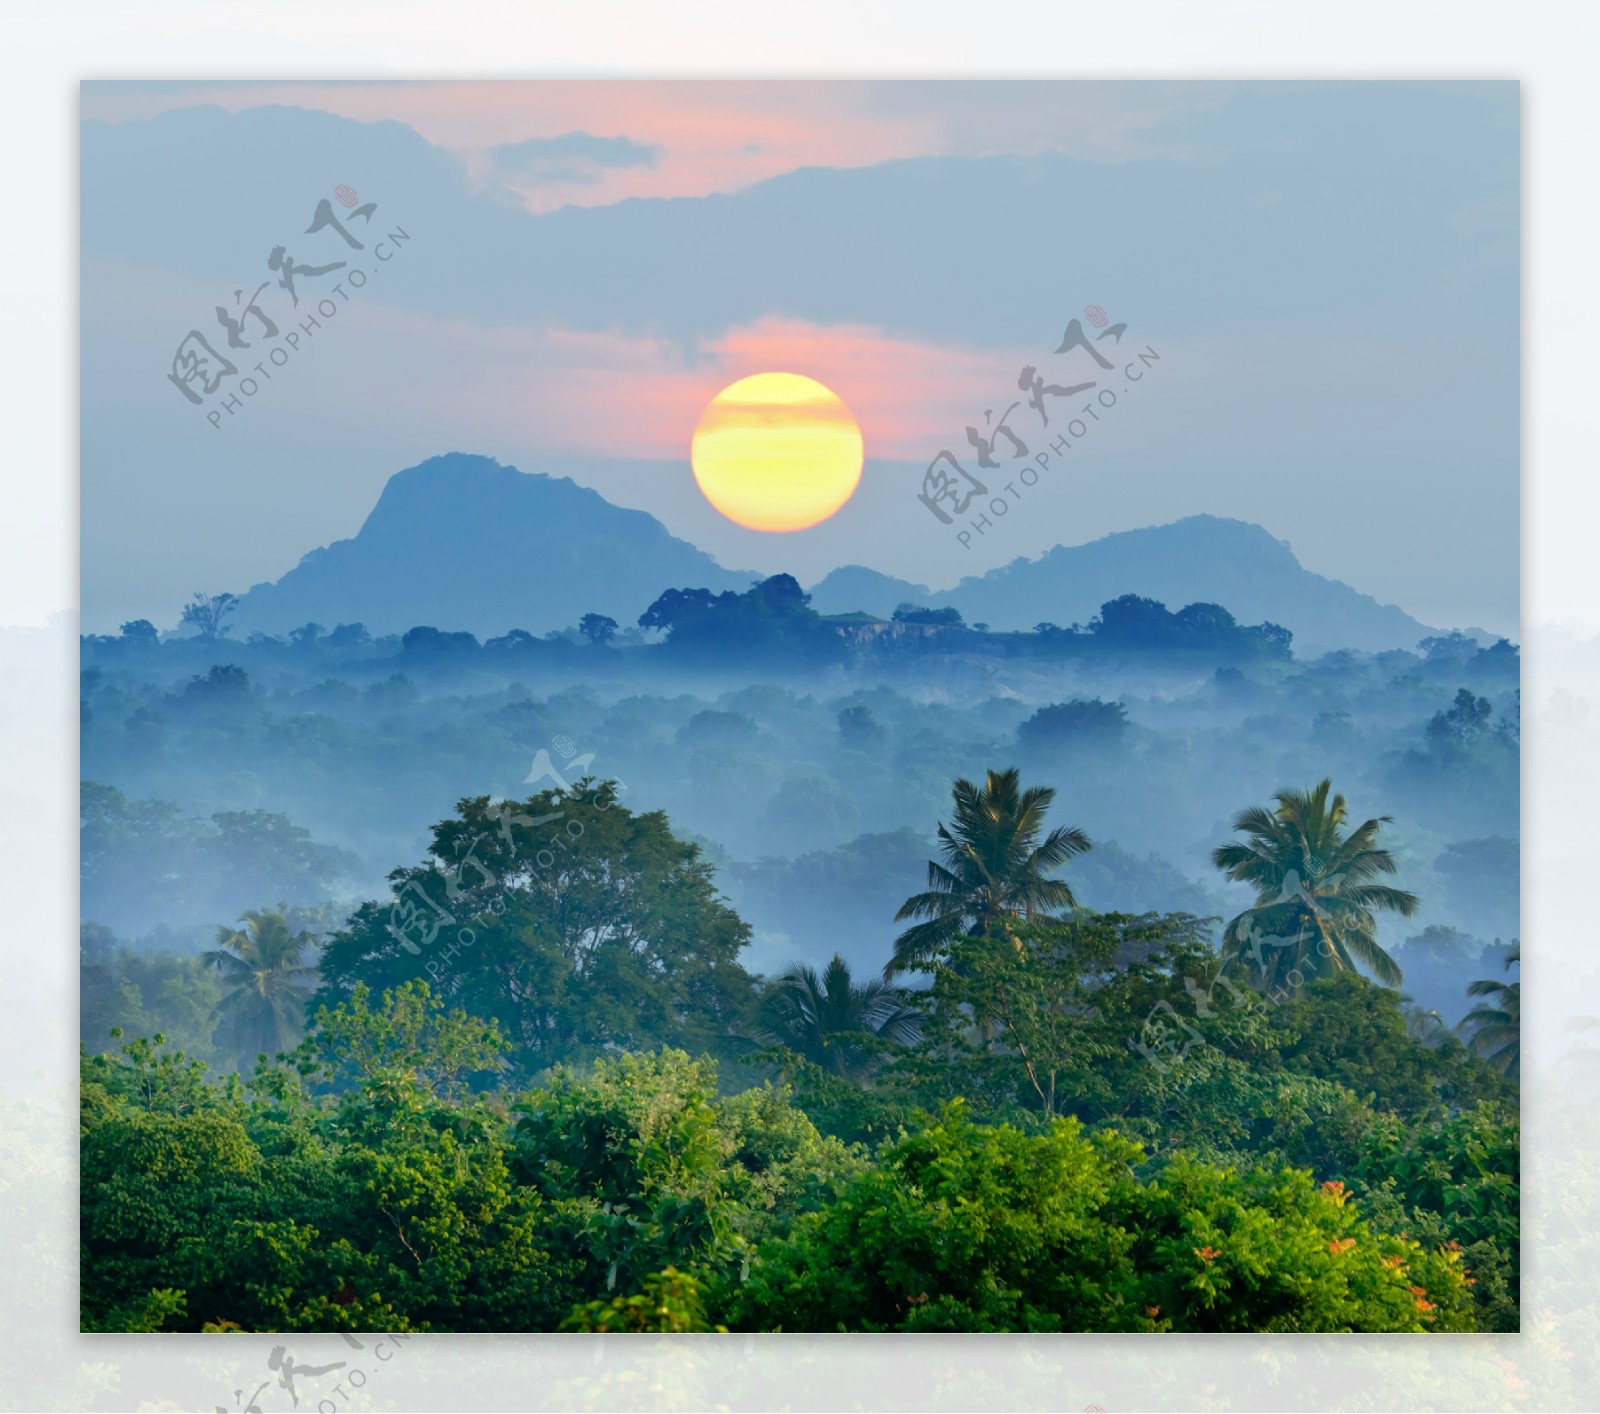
777,451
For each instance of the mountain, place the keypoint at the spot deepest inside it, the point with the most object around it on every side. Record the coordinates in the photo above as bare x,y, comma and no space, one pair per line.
855,587
462,542
1200,559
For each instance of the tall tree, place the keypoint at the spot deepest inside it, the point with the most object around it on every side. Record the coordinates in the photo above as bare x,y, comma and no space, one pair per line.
1014,1015
829,1017
205,613
266,981
1315,895
1494,1028
994,868
577,926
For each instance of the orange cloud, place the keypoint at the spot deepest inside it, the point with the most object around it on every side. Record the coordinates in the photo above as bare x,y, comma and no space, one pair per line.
608,394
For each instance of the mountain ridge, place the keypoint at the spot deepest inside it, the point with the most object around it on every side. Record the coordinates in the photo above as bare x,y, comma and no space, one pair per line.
1195,559
549,533
563,550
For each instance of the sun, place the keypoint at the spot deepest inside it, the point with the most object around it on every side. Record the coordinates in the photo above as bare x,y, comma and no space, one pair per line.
777,452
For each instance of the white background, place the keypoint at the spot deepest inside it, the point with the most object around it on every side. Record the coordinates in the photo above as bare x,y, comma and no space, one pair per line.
1550,48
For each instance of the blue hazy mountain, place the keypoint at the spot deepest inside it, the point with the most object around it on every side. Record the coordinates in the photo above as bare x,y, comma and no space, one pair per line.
1200,559
463,542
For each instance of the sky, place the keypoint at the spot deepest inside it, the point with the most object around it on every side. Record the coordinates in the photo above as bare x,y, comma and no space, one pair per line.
562,275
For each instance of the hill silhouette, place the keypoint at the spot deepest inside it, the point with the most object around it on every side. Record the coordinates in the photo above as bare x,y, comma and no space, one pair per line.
462,542
1200,559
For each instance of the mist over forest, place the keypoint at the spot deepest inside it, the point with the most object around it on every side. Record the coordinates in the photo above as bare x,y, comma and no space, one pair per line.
645,885
501,910
811,758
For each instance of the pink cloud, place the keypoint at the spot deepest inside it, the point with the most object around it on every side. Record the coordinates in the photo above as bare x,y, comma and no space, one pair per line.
608,395
715,136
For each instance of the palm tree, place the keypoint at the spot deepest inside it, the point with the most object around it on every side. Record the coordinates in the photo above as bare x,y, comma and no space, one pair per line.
1426,1028
1495,1029
827,1019
1315,894
264,979
994,868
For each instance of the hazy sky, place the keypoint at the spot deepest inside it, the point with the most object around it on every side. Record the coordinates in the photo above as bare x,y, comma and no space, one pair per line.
1329,273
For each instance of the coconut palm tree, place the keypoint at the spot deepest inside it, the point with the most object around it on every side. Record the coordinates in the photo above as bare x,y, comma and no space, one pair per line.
1426,1028
265,979
994,868
1315,895
828,1018
1494,1030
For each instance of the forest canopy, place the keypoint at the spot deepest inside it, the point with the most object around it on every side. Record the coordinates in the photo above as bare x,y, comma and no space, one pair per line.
535,1088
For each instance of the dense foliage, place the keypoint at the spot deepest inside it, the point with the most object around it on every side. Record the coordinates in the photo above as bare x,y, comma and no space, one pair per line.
360,1184
593,1118
586,1064
574,924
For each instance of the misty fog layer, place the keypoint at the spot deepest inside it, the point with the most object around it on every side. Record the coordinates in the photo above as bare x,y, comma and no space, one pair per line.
811,761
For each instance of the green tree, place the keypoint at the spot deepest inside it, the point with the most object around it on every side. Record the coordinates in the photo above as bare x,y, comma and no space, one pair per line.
1080,722
265,979
671,1301
994,868
645,1168
317,1197
1453,1183
1494,1027
255,852
1315,894
962,1227
1351,1030
1014,1013
407,1039
830,1019
140,993
578,927
165,1166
